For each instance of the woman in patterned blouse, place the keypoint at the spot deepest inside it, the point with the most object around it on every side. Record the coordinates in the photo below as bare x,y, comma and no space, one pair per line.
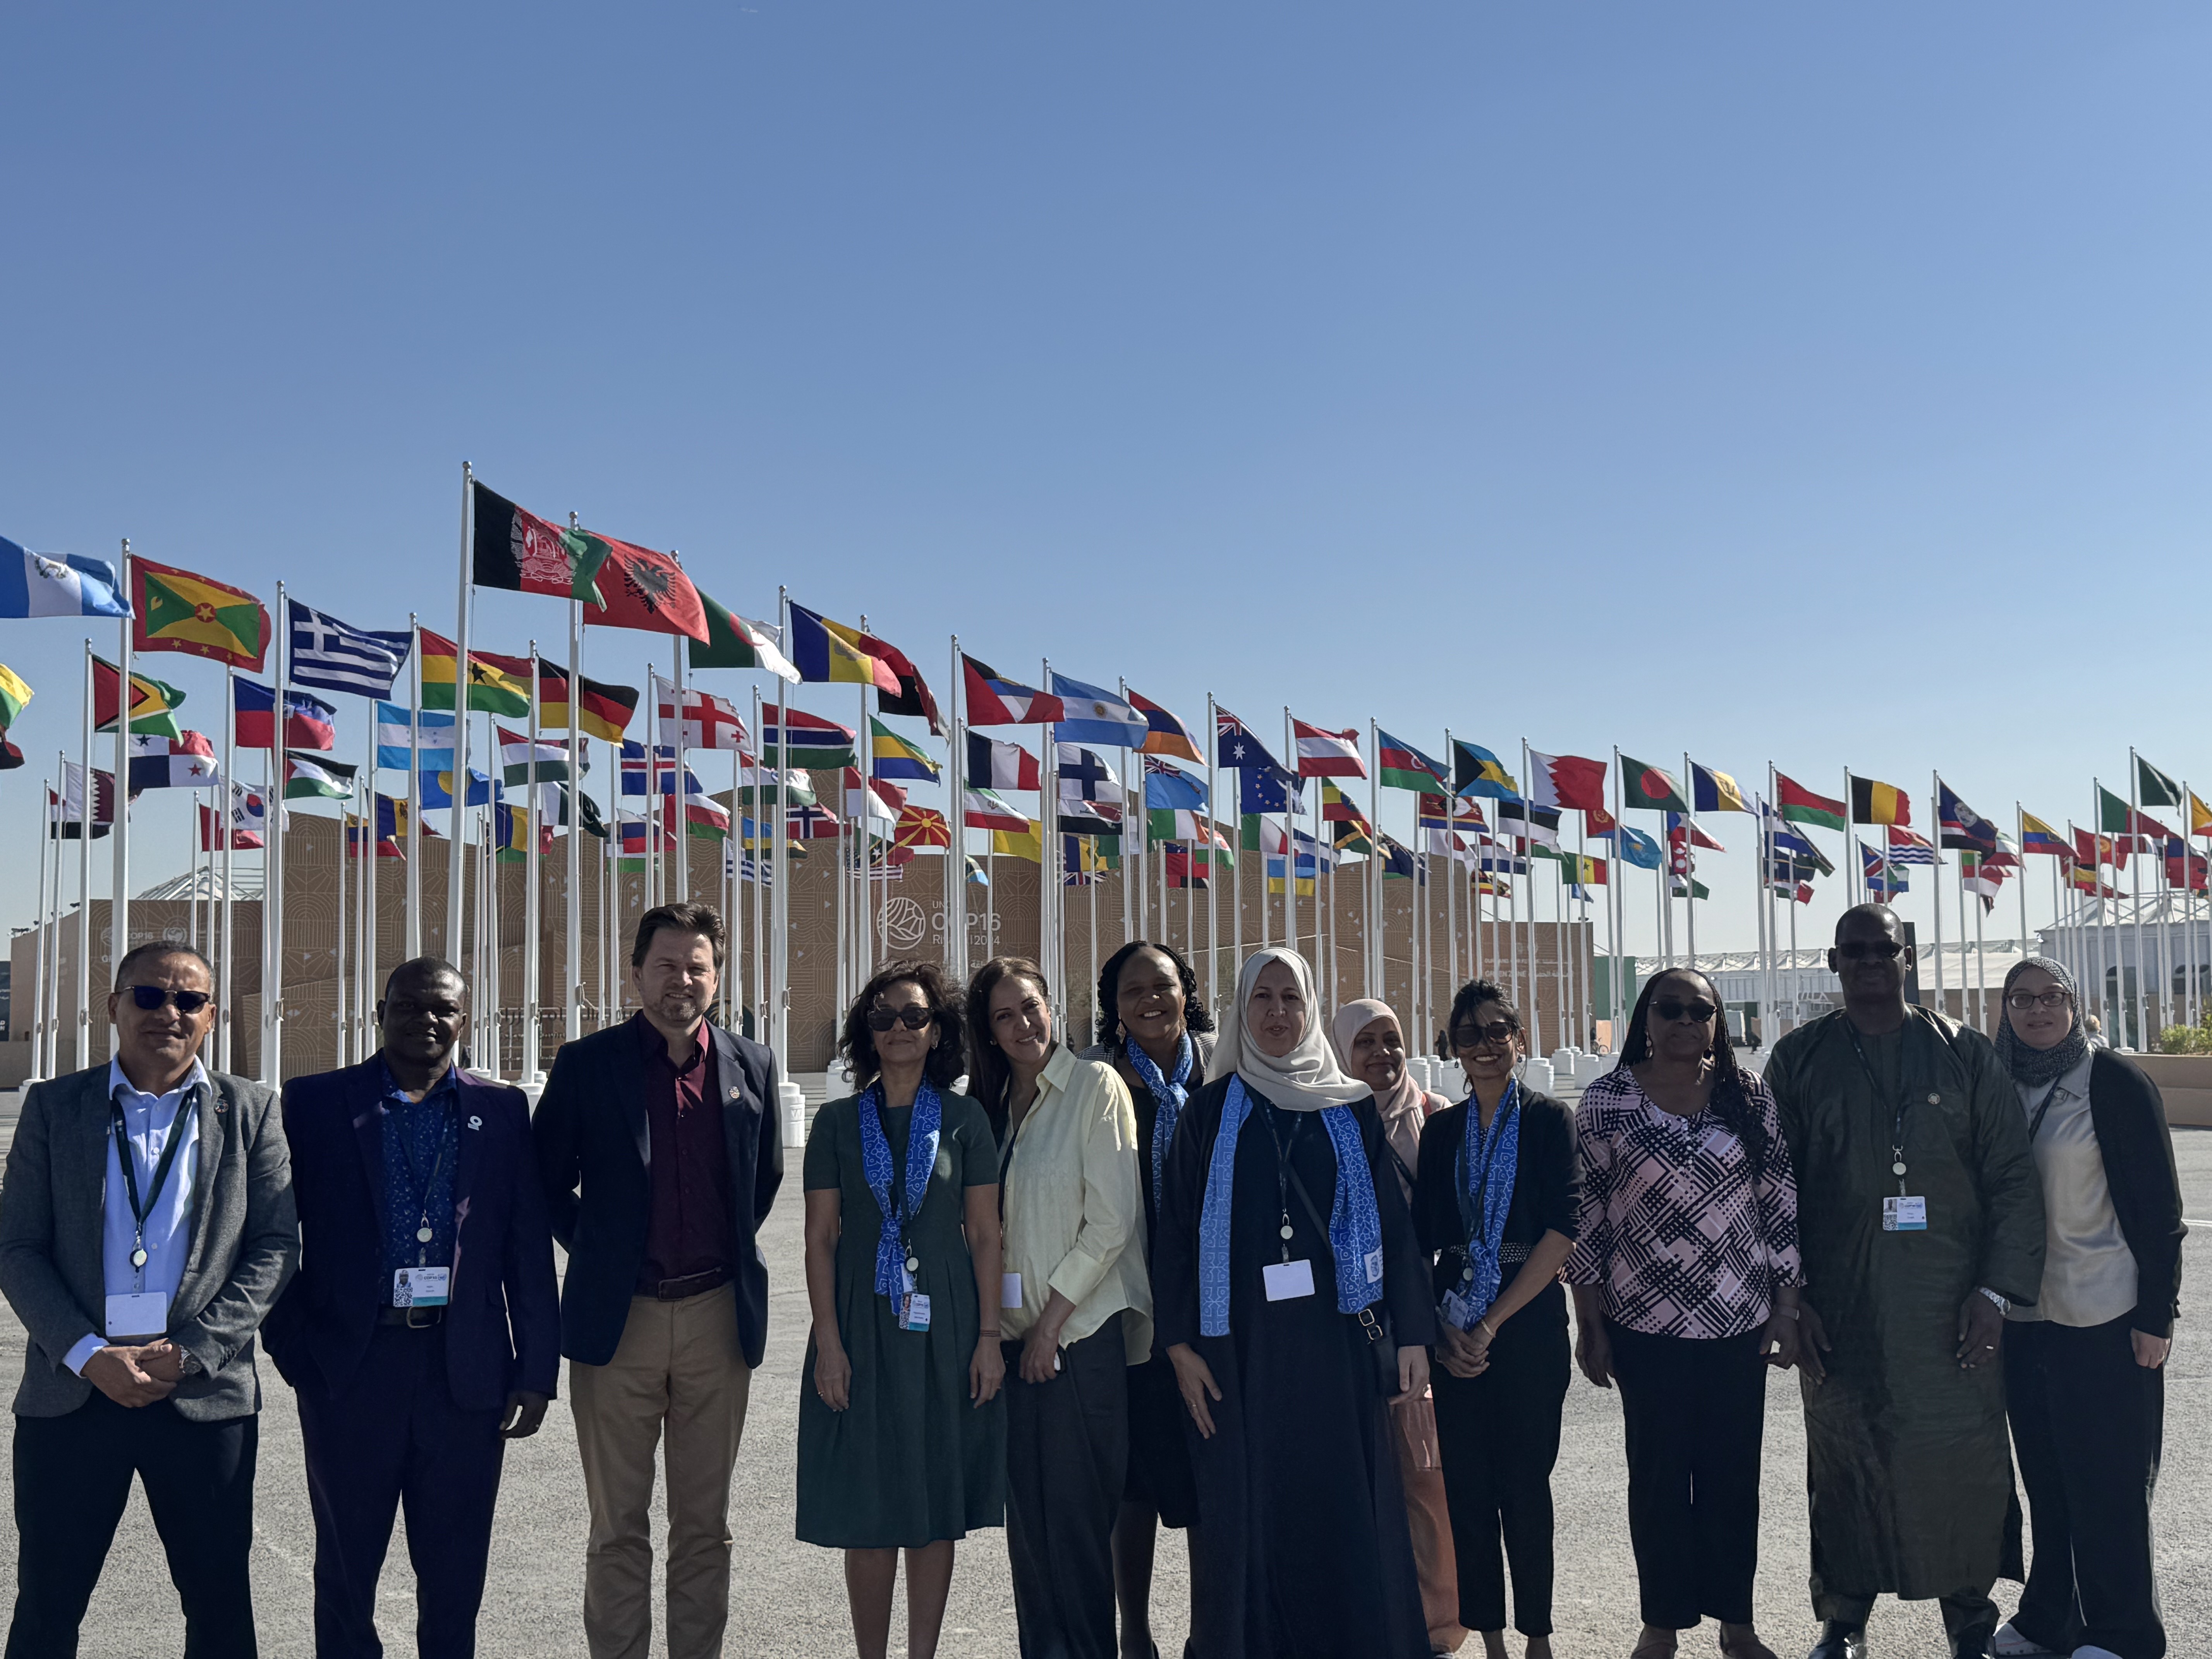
1686,1280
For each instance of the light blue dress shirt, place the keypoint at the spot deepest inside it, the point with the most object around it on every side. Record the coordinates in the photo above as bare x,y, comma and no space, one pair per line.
148,1121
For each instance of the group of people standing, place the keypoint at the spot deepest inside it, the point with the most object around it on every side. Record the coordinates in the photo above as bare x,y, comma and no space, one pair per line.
1252,1283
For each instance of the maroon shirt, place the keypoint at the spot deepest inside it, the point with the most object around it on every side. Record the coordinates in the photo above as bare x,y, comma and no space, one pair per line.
687,1230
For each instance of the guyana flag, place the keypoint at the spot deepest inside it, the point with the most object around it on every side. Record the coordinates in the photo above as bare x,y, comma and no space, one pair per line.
492,689
153,703
176,610
1650,789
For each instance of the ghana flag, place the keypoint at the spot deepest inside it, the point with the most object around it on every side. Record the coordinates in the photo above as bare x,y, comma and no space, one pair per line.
492,689
1651,789
1879,803
176,610
1801,805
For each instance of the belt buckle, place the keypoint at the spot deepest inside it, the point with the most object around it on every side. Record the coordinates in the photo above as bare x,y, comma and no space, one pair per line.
1369,1323
429,1317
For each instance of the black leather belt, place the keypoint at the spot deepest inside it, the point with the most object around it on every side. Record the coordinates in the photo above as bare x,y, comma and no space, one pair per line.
675,1290
415,1319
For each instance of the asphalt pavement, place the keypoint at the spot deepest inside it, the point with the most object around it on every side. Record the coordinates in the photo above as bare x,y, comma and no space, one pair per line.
788,1598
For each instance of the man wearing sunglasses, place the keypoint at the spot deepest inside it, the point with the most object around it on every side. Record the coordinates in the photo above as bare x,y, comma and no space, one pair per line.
422,1331
660,1151
1920,1220
146,1230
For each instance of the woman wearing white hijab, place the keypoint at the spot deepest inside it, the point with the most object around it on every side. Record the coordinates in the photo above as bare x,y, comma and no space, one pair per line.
1293,1303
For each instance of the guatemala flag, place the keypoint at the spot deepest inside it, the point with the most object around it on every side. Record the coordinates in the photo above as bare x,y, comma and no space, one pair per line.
58,585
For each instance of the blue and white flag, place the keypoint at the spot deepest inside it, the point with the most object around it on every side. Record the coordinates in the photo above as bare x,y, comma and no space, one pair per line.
1167,788
438,788
434,731
1098,716
58,585
337,656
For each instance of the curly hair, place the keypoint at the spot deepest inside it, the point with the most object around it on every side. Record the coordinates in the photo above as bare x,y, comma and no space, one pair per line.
988,1075
1195,1015
1472,996
858,1043
1731,1100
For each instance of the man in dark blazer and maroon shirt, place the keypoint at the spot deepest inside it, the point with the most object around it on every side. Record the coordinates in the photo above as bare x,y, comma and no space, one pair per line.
422,1332
659,1146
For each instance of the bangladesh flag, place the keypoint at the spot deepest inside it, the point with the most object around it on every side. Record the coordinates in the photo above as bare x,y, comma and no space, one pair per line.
176,610
526,554
1650,789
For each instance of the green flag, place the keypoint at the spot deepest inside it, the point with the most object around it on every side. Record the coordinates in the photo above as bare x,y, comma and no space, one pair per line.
733,643
2154,788
1650,787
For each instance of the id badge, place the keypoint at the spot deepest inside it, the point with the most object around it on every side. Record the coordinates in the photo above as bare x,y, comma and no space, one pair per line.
145,1313
1010,1290
914,1316
1286,1281
421,1287
1904,1215
1458,1313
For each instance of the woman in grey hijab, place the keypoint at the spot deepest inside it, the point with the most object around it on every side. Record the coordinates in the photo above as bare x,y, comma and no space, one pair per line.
2084,1377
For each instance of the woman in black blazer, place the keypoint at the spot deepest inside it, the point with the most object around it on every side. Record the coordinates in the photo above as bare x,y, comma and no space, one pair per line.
2084,1366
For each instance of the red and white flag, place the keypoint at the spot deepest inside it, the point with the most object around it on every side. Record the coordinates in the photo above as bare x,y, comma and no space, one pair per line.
1568,780
1327,754
709,722
983,810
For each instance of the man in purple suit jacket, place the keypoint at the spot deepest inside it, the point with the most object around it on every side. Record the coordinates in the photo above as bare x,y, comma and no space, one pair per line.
423,1332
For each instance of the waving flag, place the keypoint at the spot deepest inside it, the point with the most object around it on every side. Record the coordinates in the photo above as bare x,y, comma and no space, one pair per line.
1337,807
793,787
1476,771
633,766
183,762
1084,776
2036,837
1881,880
1907,848
1686,830
65,813
249,819
176,611
1323,753
895,756
918,826
1400,765
493,689
815,742
1650,789
1171,790
517,754
1449,813
433,744
733,643
437,787
709,722
1096,715
1801,805
1165,734
1265,789
994,700
606,709
1637,848
981,808
1528,824
1962,827
336,656
1235,745
994,765
58,585
2116,815
824,652
1879,803
1714,791
2154,788
1566,780
153,703
14,697
522,553
642,589
308,778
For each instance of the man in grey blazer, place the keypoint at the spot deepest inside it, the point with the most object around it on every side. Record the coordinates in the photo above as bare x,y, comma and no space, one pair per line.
146,1229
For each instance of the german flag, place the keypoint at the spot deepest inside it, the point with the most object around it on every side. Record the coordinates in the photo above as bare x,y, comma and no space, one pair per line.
607,709
492,689
1879,803
176,610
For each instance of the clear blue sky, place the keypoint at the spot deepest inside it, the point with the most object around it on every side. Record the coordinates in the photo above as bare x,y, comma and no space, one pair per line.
1823,386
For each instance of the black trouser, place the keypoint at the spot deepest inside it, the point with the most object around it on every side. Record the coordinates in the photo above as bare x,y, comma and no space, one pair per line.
72,1483
1498,1434
1067,1455
2087,1424
395,1434
1695,1411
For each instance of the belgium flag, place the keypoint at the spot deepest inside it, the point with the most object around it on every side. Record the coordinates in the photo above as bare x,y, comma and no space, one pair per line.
1879,803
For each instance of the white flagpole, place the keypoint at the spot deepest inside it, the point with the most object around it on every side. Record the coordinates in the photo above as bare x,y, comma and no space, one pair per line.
342,1032
1052,898
119,907
2143,1034
459,817
780,893
413,843
572,947
532,902
956,817
759,852
40,1069
1535,967
1935,899
272,963
365,951
224,1061
681,800
494,952
1212,857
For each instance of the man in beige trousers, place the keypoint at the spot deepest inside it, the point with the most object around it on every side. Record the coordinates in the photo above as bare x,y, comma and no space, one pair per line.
661,1150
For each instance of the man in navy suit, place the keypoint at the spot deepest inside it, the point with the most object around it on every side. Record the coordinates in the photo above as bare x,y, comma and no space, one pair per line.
421,1333
658,1144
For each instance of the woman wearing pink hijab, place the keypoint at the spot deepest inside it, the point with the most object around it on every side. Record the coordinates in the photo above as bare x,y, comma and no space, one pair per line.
1372,1045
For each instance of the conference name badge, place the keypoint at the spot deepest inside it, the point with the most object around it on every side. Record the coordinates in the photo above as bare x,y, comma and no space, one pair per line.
1286,1281
1458,1311
421,1287
1010,1290
144,1313
1900,1214
913,1315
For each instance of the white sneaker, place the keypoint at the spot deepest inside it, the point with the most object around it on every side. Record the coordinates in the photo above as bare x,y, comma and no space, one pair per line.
2009,1643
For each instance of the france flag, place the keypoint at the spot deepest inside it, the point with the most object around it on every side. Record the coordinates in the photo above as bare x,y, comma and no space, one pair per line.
58,585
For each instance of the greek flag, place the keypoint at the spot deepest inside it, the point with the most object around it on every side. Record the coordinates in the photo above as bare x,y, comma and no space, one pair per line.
337,656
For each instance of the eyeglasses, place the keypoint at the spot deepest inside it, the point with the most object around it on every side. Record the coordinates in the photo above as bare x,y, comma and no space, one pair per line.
150,997
2020,1001
914,1016
1887,948
1673,1008
1474,1037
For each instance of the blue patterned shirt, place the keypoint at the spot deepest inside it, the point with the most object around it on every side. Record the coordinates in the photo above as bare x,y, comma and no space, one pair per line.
422,1146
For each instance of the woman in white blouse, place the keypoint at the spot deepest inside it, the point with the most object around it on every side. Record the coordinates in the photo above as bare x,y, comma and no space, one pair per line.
2084,1364
1077,1305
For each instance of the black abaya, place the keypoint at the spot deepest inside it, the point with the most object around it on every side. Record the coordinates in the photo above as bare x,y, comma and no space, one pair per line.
1299,1492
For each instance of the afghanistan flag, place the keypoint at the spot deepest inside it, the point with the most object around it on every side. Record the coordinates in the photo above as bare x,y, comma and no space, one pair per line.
153,703
1801,805
1650,789
1879,803
525,554
176,610
733,643
492,689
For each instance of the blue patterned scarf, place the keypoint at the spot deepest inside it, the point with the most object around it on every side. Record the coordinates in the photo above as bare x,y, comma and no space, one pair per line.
1489,1194
1355,1226
1168,1098
876,1164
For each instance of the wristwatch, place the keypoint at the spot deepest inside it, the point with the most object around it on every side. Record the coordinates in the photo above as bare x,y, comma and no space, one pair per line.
2003,1306
187,1364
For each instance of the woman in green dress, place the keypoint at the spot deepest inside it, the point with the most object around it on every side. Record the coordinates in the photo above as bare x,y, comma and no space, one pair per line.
902,1445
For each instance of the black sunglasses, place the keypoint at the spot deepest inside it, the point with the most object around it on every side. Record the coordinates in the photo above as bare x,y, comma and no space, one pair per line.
150,997
1888,948
1474,1037
1674,1008
914,1016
